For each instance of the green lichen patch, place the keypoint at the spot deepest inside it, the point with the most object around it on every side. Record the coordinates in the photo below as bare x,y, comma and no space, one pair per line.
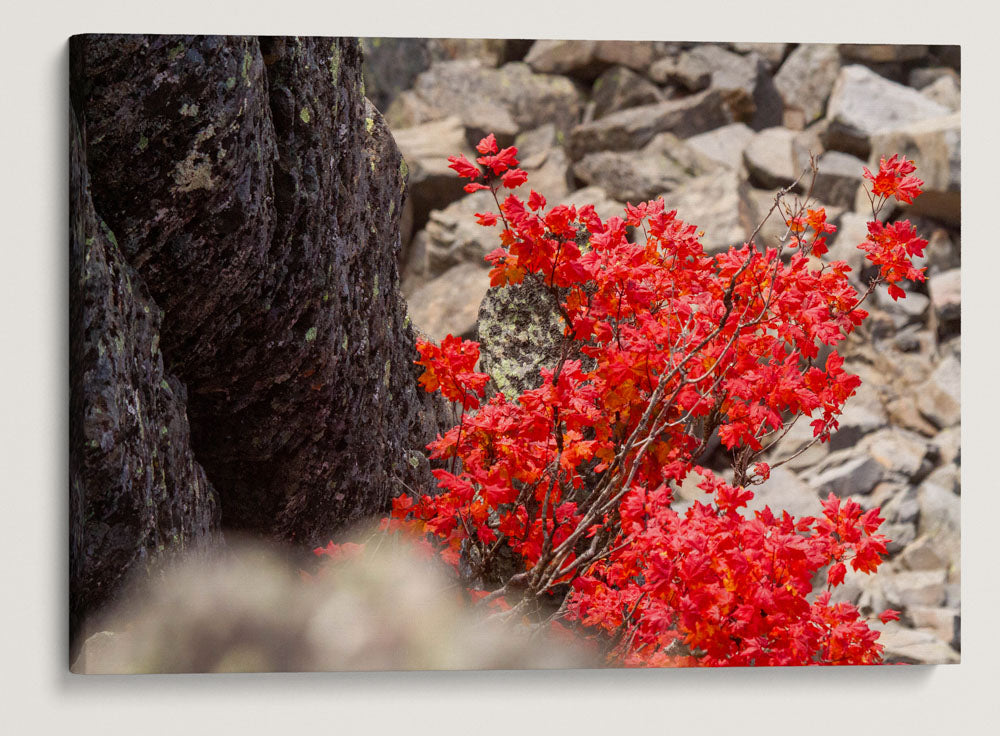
176,51
304,115
189,110
335,62
369,124
245,71
143,143
230,83
311,334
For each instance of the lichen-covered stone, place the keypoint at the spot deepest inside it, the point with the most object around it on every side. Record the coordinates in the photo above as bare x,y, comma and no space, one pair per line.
520,331
136,489
266,227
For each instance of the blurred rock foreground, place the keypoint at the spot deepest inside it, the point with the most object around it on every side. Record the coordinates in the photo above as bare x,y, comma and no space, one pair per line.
716,130
249,610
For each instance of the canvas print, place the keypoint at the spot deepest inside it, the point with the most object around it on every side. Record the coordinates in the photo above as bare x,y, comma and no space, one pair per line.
413,353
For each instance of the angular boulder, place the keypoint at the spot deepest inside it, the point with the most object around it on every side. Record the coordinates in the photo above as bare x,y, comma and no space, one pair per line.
257,195
136,489
862,103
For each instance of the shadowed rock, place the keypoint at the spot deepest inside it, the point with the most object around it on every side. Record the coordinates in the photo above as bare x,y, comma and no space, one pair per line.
256,194
135,486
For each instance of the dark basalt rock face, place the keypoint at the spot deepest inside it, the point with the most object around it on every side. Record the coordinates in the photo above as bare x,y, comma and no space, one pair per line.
256,194
136,489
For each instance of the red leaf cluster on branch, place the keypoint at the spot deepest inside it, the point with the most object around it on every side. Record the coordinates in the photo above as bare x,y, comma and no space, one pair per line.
575,478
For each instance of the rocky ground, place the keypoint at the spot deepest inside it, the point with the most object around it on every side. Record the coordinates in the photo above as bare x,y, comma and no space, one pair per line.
716,130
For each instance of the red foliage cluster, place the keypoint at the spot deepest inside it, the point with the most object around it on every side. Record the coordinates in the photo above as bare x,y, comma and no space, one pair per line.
574,478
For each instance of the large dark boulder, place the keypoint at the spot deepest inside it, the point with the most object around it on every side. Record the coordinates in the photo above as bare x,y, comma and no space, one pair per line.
255,194
136,489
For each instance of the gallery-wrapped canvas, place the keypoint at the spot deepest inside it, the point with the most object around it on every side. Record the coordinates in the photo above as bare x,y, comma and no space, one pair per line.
402,353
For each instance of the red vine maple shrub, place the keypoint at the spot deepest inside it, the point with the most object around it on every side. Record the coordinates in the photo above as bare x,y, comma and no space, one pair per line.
556,505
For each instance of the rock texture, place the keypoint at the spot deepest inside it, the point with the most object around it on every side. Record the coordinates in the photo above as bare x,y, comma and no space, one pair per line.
136,488
245,189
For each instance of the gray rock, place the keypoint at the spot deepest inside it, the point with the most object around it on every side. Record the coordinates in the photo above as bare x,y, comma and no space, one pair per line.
693,69
863,413
454,236
631,129
391,65
661,166
903,412
568,57
725,144
537,142
252,612
911,308
899,535
769,160
949,445
943,252
586,60
943,623
799,437
772,53
449,304
939,398
941,515
712,203
925,76
491,52
663,71
804,82
688,490
907,646
881,53
604,205
636,55
859,589
785,491
548,169
755,206
840,175
923,554
620,88
505,101
914,588
934,142
946,299
808,143
852,230
426,148
899,451
944,91
846,474
744,81
862,104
